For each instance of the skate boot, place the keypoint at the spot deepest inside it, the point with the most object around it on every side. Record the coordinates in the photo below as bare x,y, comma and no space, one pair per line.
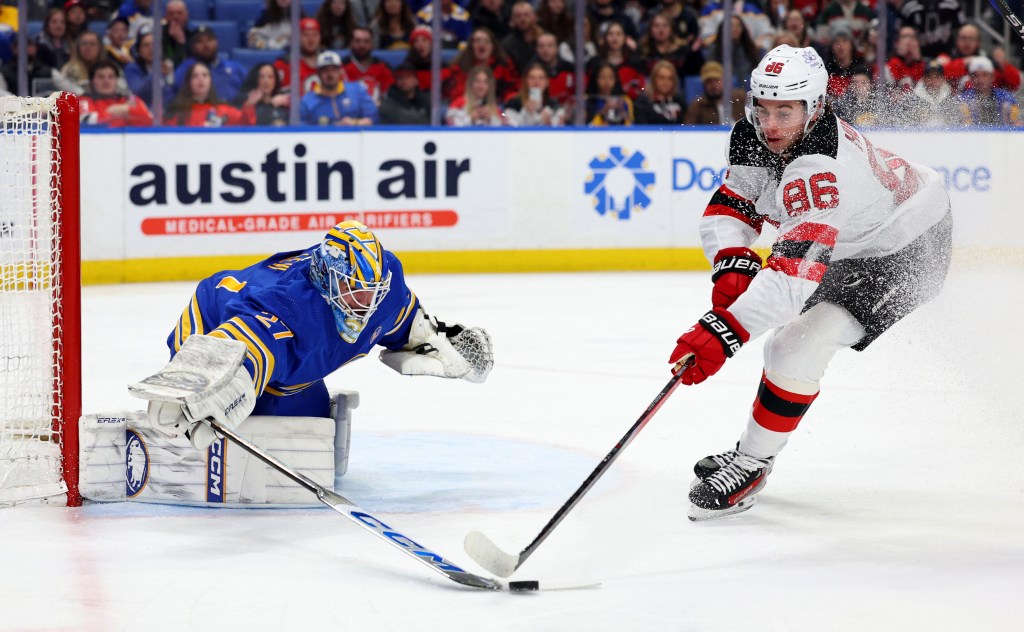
711,464
731,488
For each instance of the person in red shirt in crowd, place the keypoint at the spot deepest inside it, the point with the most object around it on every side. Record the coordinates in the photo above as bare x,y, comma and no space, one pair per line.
197,103
906,67
309,49
612,48
842,61
103,106
362,66
483,50
968,45
561,74
421,45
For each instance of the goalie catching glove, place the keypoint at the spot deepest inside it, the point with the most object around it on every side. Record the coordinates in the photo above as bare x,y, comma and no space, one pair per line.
204,379
441,350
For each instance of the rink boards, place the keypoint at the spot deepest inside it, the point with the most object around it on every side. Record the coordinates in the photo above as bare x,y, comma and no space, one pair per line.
172,205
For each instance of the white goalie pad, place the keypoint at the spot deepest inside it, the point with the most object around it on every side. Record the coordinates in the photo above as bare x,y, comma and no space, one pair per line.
202,366
440,350
123,459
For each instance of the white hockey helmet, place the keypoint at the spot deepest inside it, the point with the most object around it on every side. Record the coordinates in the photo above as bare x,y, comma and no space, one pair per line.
789,74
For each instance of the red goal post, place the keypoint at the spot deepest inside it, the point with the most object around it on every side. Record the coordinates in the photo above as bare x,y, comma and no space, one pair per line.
40,300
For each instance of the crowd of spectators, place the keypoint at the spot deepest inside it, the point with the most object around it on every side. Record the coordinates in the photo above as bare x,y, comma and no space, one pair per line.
507,62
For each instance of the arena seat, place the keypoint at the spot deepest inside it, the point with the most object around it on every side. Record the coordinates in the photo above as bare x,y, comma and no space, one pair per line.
250,57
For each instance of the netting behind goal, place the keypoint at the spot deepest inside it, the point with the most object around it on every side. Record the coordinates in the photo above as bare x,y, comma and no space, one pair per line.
40,359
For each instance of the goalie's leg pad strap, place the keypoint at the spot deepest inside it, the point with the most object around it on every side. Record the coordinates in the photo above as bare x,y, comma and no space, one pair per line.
123,459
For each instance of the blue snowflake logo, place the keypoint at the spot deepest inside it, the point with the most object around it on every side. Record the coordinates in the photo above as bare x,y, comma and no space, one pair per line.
619,183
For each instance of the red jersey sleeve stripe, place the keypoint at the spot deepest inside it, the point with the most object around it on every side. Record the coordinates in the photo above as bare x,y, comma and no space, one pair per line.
800,268
811,231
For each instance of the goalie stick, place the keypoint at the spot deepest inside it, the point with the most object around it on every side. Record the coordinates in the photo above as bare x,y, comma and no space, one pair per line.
487,554
365,520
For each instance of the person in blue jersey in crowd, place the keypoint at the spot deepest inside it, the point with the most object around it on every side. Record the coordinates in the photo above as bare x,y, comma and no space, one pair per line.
227,74
336,101
304,314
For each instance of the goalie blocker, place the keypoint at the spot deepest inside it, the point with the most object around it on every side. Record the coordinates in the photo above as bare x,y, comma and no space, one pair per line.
124,458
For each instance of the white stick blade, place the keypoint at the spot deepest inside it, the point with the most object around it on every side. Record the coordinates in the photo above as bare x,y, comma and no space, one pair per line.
487,554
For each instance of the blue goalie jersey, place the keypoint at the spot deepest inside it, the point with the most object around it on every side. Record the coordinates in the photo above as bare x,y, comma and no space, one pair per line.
289,328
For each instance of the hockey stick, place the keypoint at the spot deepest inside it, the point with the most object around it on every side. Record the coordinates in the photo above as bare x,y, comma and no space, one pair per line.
374,525
1004,9
488,555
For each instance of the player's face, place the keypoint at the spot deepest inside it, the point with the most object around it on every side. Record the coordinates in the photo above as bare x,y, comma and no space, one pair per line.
782,123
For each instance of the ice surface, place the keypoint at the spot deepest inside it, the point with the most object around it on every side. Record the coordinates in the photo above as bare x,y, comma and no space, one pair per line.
898,505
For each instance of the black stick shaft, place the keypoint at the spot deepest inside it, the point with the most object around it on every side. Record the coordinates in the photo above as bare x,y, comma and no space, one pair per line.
1009,16
601,468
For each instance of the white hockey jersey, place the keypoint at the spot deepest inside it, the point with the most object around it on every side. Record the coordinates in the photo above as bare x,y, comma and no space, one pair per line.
835,196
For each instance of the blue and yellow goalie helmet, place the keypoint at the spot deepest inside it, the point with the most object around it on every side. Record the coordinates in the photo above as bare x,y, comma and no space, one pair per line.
348,270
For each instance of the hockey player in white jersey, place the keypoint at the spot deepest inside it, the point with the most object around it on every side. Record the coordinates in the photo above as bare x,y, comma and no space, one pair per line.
864,237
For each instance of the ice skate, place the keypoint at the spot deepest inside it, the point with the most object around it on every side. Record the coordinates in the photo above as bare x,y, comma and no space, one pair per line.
711,464
729,489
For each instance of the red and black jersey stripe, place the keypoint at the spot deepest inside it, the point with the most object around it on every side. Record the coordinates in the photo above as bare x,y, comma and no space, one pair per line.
805,251
727,202
777,409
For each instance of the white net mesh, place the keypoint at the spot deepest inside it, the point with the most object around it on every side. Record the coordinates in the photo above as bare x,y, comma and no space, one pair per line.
30,292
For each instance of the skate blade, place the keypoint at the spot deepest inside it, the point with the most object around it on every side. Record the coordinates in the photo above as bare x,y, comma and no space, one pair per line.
698,514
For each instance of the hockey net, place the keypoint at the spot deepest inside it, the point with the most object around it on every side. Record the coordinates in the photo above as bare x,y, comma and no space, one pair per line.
40,379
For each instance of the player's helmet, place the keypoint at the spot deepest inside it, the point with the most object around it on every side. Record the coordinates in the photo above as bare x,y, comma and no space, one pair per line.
789,74
348,269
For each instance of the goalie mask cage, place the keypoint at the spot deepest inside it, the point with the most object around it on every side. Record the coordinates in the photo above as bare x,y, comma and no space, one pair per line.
40,308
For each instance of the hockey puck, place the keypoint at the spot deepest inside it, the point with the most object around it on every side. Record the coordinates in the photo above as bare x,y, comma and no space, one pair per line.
524,586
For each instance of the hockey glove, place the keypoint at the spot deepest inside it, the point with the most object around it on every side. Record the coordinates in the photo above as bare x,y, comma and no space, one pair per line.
702,350
442,350
732,273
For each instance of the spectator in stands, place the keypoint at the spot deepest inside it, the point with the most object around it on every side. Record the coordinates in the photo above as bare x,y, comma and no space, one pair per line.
553,17
607,103
796,23
197,103
478,105
273,28
139,73
683,19
968,45
421,45
405,103
336,101
336,23
842,61
309,50
937,21
602,12
984,104
177,31
906,67
116,43
227,74
776,11
483,50
561,74
852,16
76,18
533,106
36,69
745,53
264,103
662,43
138,13
364,10
493,15
104,105
53,48
613,49
362,66
392,25
661,103
519,44
755,23
859,103
455,23
86,53
709,107
932,103
567,49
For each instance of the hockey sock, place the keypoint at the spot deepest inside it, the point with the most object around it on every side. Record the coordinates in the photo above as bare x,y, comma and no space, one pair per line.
780,405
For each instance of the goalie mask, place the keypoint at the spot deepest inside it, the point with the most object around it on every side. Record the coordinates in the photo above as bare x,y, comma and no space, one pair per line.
347,268
788,74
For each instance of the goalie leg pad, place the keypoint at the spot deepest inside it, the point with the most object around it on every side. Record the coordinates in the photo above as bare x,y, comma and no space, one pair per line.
123,458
